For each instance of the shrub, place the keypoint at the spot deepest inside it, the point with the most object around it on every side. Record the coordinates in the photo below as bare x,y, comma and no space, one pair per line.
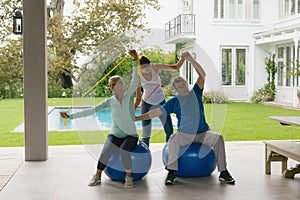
214,97
169,90
263,94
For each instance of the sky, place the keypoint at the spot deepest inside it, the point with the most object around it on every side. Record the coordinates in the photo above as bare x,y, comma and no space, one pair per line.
158,19
154,18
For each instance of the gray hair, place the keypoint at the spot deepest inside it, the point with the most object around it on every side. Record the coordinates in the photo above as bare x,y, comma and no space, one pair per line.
118,78
177,80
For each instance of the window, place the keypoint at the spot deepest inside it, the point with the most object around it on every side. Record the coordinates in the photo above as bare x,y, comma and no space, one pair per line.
254,9
240,66
289,8
226,66
280,74
293,7
286,65
237,10
234,66
241,9
189,73
231,9
280,66
296,67
187,6
216,9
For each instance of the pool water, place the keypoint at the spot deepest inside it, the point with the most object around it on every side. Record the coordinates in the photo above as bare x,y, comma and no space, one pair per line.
98,121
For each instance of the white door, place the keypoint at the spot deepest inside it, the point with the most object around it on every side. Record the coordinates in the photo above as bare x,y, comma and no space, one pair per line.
234,72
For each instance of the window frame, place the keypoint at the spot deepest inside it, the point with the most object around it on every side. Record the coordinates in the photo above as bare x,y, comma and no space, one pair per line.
241,10
289,8
233,79
286,63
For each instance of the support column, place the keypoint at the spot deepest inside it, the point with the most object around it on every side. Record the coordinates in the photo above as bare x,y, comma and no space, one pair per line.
295,98
35,80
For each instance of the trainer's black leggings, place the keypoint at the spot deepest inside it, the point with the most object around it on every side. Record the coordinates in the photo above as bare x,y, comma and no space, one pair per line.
166,121
112,143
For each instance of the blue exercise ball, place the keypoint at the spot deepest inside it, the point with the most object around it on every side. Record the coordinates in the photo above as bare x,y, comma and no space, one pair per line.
141,163
195,160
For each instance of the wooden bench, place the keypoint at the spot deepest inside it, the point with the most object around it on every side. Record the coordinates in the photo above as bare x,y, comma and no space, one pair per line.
281,151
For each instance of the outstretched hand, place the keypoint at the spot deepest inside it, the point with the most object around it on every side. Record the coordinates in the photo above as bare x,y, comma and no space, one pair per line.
187,56
64,115
134,54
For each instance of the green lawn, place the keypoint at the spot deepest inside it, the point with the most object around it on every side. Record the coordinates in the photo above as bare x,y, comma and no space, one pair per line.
235,121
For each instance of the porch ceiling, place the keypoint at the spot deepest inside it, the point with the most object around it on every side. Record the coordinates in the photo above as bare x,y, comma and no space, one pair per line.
277,35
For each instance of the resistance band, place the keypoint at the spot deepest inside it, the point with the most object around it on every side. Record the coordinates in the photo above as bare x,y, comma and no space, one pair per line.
102,79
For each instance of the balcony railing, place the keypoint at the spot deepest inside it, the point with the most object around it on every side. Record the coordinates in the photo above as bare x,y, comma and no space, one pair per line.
182,24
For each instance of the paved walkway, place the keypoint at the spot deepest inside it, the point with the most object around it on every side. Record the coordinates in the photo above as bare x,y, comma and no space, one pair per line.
10,161
281,104
67,171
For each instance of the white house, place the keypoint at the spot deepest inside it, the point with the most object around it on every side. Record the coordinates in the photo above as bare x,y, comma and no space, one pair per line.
232,38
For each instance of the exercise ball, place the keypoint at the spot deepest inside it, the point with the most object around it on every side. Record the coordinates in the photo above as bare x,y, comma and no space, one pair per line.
195,160
141,163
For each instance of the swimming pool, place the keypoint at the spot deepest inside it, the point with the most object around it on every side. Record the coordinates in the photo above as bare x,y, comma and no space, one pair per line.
98,121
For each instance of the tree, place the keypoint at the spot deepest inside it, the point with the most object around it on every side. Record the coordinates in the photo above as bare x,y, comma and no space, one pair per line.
91,23
70,37
271,71
268,92
11,75
11,56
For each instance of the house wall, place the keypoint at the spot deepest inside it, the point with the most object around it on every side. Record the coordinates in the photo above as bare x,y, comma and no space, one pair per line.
211,35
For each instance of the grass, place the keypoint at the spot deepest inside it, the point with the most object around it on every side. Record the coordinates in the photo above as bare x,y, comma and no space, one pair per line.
235,121
246,121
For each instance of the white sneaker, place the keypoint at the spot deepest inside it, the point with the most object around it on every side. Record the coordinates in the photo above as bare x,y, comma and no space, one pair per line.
95,180
128,182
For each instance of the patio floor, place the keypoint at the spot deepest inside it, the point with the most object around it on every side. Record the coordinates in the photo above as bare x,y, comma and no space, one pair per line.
68,169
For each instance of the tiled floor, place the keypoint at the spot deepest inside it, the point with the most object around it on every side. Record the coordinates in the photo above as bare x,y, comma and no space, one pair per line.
66,173
10,161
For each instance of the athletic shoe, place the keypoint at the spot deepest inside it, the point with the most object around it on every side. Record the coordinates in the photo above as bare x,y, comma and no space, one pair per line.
226,177
95,180
128,182
170,180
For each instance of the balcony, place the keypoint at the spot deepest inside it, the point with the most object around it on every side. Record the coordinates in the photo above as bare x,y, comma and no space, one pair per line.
180,29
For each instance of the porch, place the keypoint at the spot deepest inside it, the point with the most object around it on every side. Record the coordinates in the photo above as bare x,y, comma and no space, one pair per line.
68,169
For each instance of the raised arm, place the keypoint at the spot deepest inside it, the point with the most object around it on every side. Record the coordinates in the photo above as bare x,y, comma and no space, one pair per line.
149,115
201,73
134,81
87,112
138,96
158,67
